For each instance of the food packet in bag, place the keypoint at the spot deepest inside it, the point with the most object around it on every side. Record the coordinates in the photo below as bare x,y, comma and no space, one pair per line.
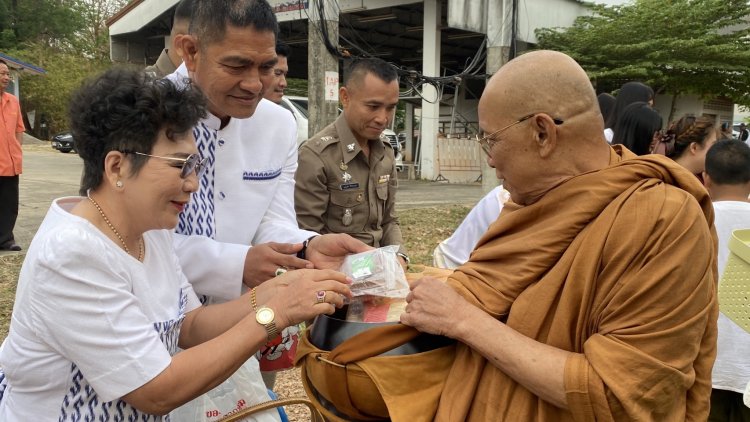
376,273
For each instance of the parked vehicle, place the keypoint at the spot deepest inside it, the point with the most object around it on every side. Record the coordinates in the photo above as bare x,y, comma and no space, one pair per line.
298,107
64,142
398,146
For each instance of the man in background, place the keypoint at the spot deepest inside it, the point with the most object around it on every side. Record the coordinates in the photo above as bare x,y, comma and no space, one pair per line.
170,58
277,81
346,181
727,178
11,139
744,133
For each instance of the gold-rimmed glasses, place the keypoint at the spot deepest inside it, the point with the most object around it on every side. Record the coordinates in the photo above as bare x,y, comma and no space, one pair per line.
488,141
191,163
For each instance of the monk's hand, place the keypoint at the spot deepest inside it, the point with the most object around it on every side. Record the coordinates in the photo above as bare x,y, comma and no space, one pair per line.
328,251
268,260
433,307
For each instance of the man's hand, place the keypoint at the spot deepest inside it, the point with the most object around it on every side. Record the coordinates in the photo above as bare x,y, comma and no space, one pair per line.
434,307
328,251
404,264
262,261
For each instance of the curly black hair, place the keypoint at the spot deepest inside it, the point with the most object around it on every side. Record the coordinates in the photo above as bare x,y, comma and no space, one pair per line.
124,110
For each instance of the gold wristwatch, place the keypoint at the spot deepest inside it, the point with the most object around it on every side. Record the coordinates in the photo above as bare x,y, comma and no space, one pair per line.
265,317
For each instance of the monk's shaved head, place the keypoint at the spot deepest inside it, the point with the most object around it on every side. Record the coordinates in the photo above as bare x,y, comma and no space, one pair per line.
542,120
541,81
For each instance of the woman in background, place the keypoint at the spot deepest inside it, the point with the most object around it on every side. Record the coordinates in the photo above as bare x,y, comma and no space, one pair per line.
629,93
687,141
638,128
606,104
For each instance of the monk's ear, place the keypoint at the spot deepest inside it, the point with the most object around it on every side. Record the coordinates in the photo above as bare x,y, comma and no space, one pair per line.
707,182
545,132
188,46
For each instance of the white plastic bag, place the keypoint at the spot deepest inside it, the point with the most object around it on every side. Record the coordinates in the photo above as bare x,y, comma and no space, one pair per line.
376,273
243,389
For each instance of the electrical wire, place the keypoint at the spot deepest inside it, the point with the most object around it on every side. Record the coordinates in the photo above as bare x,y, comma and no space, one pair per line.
413,79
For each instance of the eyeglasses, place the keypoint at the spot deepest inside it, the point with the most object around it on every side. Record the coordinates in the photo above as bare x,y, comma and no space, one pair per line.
488,141
193,163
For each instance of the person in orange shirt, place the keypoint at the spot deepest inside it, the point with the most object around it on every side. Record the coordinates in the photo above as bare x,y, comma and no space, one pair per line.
11,139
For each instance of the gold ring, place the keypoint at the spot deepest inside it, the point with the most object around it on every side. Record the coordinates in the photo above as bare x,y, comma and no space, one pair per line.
279,271
320,296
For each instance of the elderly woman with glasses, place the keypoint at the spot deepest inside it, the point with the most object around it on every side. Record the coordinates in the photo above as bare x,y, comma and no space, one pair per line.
102,304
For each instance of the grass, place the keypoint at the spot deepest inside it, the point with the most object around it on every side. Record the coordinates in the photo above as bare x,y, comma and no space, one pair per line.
10,265
422,228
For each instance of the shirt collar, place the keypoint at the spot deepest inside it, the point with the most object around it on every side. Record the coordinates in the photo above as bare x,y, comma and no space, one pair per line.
346,138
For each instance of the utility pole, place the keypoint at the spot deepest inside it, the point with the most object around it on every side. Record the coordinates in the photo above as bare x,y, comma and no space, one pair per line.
500,34
322,66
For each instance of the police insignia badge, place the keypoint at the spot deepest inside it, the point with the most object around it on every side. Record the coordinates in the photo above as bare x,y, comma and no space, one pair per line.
347,218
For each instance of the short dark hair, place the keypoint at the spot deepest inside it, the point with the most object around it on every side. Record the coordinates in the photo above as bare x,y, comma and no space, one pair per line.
636,127
124,110
3,62
282,49
728,162
211,18
358,68
183,11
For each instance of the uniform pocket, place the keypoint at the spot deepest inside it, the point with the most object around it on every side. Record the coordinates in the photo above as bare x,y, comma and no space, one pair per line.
345,214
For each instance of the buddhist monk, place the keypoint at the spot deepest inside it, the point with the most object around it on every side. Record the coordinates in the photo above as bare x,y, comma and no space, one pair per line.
593,296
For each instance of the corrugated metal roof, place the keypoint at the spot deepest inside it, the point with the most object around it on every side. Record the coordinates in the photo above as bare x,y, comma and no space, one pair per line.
22,65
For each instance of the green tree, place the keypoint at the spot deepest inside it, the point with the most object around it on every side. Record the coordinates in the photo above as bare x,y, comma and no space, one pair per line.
677,46
53,22
68,38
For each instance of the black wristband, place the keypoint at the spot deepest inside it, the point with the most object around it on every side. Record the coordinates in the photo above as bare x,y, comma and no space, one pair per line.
302,254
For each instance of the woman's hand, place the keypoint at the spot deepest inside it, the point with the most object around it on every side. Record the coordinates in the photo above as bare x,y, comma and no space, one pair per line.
301,295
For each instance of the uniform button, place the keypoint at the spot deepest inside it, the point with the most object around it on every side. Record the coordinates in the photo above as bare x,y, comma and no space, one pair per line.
221,195
221,142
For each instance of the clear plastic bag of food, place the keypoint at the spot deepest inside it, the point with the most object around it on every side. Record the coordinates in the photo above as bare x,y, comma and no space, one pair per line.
376,273
375,309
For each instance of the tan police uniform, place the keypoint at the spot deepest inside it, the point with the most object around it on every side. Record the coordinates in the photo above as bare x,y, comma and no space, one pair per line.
162,67
338,190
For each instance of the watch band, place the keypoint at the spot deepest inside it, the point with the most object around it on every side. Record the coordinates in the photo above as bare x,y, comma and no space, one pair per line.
406,257
302,254
272,330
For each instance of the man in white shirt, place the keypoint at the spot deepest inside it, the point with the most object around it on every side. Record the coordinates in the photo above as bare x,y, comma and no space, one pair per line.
275,89
245,202
727,178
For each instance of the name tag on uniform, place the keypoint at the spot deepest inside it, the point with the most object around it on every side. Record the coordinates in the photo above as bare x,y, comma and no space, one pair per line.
349,186
384,178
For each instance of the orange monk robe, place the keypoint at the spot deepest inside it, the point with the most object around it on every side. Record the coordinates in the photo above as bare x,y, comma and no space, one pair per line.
616,266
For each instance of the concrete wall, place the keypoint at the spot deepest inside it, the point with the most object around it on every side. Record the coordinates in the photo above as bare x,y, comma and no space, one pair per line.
692,104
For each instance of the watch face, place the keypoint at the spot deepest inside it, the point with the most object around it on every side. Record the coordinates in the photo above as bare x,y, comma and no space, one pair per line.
264,316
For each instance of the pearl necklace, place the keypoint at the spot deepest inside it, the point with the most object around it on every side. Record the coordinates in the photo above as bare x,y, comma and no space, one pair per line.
111,227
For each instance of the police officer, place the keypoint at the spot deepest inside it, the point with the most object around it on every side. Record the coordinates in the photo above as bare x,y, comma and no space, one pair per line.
346,180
